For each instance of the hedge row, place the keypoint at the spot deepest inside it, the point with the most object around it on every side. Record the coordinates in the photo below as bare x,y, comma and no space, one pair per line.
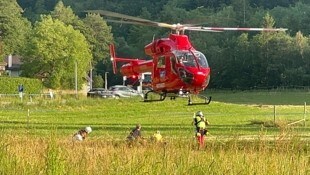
9,85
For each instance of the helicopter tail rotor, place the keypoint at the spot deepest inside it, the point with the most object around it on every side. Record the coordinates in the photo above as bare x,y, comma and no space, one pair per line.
113,58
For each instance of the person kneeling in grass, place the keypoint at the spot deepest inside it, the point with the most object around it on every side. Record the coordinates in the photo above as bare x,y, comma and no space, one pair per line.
135,136
157,137
82,134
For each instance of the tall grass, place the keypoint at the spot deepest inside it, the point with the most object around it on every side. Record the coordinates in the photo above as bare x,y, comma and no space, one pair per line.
171,157
54,162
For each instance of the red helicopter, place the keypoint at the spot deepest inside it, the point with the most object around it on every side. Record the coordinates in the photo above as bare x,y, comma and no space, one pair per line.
177,68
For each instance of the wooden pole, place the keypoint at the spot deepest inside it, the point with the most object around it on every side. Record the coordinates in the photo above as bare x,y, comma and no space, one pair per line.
76,79
274,114
28,118
305,105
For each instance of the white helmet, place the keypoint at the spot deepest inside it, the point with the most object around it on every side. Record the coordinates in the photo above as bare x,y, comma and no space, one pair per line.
88,129
78,137
199,113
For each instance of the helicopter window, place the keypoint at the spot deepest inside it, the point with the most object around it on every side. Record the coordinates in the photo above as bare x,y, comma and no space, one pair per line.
187,59
161,62
190,60
201,59
173,65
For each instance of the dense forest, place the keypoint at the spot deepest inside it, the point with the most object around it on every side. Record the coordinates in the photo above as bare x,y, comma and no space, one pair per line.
238,60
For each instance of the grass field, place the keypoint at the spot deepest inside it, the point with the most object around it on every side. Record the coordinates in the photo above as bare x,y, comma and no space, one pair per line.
262,97
249,134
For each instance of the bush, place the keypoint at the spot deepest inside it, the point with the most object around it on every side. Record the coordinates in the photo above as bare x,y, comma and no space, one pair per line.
98,81
9,85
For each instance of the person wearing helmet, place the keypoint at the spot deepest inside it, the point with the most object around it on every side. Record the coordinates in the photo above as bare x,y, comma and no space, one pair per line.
157,137
200,124
82,134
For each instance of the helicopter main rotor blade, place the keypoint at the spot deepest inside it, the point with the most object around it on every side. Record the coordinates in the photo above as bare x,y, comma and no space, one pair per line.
117,15
130,19
131,22
200,29
126,19
220,29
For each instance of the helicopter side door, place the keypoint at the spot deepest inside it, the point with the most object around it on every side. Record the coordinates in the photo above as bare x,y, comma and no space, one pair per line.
161,68
160,72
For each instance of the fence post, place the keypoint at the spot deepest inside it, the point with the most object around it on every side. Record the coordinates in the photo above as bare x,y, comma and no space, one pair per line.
305,105
28,116
274,115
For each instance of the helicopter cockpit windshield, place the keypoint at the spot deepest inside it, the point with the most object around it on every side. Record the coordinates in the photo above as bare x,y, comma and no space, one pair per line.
188,59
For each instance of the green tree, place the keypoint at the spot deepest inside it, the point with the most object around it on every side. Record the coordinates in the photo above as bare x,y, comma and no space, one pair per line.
99,37
139,36
98,81
243,11
272,4
268,21
53,52
93,27
13,27
34,8
272,52
242,62
67,16
171,13
295,18
297,72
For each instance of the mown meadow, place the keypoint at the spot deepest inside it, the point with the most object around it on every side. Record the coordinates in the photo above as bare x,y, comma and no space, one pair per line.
250,133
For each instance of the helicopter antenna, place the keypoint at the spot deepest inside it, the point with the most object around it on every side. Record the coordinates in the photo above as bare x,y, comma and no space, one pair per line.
153,37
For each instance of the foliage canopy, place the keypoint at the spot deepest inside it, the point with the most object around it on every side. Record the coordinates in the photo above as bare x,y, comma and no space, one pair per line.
53,52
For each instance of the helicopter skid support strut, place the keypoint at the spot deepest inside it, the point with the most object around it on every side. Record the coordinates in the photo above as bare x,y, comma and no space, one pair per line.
207,100
161,98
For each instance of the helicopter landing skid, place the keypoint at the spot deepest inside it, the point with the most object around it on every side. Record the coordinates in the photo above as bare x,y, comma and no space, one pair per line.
207,100
161,98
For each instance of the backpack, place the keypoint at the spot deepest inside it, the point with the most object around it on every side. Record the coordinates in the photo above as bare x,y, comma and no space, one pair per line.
202,119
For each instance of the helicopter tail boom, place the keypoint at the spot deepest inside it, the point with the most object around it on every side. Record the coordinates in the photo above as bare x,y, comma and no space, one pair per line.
115,59
133,66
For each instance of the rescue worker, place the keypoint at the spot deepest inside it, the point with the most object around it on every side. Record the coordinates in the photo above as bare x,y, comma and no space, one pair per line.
135,134
200,124
82,134
157,137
